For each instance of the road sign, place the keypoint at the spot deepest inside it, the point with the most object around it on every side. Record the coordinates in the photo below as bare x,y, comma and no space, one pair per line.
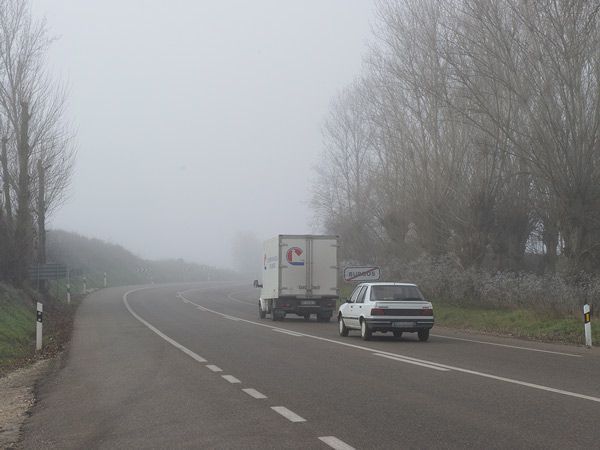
364,273
50,271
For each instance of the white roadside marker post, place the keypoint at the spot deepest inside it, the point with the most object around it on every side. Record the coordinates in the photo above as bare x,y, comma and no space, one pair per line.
68,287
38,328
587,325
105,280
84,285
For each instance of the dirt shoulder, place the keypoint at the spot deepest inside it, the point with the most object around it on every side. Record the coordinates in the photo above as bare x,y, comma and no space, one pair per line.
17,391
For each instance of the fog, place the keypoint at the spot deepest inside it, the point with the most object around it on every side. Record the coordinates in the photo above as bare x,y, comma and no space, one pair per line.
197,120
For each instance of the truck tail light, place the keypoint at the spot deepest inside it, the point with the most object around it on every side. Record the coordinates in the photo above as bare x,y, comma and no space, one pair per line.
427,312
377,311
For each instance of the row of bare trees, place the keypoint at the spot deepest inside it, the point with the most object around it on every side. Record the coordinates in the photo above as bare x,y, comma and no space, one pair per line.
36,152
474,132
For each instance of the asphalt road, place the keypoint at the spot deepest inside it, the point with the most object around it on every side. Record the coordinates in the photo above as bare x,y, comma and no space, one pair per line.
192,366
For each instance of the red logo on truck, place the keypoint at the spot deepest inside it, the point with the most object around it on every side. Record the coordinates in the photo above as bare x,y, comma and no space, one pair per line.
293,256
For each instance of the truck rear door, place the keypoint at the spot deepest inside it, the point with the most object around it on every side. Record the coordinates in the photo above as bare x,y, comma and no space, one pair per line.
323,267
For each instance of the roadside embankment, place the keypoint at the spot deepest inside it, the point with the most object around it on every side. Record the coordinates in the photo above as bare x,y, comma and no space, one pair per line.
18,324
522,323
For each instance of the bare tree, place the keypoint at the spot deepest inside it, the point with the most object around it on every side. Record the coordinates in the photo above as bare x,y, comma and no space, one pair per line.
33,129
344,186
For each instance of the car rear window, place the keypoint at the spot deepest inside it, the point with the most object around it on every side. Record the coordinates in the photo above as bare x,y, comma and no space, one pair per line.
396,293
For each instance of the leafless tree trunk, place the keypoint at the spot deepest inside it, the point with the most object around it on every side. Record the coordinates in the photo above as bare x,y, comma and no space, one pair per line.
32,118
23,223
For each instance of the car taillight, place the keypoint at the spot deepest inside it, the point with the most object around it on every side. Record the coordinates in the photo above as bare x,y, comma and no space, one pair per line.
427,312
377,311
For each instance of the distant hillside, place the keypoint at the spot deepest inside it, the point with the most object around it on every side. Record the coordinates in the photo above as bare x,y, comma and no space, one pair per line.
92,257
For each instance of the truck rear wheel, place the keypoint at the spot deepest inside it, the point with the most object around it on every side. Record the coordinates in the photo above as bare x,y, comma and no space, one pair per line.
307,316
323,318
262,314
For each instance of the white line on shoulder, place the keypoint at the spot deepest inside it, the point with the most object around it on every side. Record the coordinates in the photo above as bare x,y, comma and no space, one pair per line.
506,345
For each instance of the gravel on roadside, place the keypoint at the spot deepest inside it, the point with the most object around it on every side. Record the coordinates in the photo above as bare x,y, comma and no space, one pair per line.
17,396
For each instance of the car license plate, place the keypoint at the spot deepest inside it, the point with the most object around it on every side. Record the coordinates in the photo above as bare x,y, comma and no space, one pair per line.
403,324
307,302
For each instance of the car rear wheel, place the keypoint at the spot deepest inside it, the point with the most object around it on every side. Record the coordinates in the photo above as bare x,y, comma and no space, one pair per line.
342,327
423,335
365,332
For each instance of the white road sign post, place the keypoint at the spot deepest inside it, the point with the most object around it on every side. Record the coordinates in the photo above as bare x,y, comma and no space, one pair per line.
68,287
38,328
362,273
587,325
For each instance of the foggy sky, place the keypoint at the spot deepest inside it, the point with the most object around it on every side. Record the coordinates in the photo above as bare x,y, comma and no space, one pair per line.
198,119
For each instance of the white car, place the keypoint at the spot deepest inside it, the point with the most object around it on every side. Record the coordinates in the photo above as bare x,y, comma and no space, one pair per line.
384,307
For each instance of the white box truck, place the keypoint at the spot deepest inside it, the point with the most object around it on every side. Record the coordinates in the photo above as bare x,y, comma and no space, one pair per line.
300,276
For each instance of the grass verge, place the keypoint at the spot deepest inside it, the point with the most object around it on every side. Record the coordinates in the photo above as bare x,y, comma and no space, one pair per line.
18,325
519,323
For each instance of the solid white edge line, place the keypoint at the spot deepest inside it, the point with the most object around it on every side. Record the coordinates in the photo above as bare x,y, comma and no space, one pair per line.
458,369
289,415
404,360
506,345
254,393
291,333
231,378
174,343
214,368
335,443
231,297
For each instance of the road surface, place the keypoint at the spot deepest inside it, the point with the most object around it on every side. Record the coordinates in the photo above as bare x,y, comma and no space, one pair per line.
192,366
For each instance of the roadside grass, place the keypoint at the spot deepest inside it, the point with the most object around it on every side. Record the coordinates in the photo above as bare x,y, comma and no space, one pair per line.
522,323
17,327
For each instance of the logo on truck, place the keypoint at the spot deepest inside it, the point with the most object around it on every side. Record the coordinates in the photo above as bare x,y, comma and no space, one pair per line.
293,256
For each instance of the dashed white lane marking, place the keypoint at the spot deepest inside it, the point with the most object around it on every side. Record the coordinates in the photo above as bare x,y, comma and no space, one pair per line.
291,333
335,443
254,393
289,415
174,343
404,360
507,346
214,368
231,378
431,363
